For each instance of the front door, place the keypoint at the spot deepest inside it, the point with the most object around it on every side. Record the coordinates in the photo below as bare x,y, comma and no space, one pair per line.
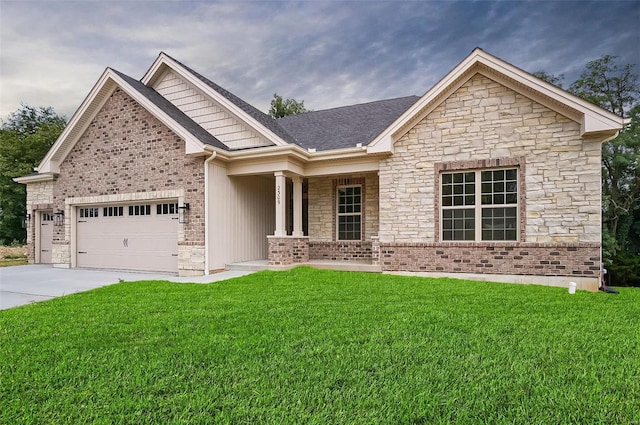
46,236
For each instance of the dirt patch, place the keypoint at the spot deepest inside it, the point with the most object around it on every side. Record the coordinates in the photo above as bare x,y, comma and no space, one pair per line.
13,252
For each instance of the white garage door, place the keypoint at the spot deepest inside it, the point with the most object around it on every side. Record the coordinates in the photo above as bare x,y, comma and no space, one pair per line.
128,237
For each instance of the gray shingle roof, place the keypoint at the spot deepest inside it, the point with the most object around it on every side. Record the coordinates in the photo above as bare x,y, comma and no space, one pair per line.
336,128
346,126
176,114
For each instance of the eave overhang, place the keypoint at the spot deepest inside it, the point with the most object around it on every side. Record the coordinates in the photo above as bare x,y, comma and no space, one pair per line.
296,160
35,178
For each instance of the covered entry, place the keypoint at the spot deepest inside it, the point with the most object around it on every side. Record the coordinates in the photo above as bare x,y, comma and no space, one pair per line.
128,237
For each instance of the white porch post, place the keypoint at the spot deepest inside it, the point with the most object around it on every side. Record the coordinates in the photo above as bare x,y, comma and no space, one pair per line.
281,204
297,206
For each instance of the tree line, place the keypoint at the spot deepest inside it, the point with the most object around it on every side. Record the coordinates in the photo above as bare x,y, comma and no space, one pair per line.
27,134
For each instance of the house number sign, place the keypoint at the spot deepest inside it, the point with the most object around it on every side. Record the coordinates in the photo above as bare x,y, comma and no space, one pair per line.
278,195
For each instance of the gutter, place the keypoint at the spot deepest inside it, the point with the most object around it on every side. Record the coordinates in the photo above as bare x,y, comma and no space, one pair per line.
206,210
35,178
293,150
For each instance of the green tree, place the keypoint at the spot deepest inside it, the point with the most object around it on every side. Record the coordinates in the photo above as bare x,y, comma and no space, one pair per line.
283,107
556,80
25,138
615,87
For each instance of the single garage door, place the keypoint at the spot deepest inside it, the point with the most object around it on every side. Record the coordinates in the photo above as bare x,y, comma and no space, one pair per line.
128,237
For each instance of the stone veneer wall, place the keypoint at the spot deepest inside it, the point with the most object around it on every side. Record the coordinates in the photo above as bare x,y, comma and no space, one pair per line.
127,150
322,218
484,120
287,250
39,198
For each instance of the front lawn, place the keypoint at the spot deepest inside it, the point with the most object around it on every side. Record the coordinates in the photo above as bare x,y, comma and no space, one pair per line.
325,347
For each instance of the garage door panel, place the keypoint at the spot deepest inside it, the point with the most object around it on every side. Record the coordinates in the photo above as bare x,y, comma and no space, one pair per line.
131,242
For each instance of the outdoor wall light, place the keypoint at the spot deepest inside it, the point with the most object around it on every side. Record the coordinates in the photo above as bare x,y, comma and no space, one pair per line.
58,218
25,221
182,213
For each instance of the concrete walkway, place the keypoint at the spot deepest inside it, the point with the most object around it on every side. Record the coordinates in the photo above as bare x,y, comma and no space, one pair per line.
22,285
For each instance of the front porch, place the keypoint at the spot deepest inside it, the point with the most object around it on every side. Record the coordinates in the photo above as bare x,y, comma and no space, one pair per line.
325,222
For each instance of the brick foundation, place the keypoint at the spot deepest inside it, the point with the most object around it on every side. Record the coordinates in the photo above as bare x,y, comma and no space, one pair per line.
287,250
578,260
340,251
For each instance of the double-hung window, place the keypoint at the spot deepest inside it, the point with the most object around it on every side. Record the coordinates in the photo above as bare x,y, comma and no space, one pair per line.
349,213
480,205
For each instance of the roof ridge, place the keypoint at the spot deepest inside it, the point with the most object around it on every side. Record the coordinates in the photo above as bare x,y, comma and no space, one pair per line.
354,105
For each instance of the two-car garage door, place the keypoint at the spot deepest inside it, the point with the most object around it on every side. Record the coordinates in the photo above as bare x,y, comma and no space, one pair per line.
128,237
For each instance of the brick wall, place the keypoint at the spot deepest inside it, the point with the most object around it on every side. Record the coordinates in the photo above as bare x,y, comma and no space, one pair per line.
284,251
578,260
340,251
127,150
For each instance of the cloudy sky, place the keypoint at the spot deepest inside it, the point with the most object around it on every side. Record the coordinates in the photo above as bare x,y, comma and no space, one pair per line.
327,53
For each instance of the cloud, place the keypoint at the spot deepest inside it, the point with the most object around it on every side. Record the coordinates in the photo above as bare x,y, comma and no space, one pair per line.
325,53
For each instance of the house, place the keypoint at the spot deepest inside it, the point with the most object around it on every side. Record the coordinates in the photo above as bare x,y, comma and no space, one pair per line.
491,174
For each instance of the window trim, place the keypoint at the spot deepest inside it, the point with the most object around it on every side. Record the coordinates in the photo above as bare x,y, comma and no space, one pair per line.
478,207
517,163
338,214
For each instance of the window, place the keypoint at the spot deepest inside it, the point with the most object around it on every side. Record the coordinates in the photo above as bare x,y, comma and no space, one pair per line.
493,218
349,208
112,211
167,209
47,216
88,212
139,209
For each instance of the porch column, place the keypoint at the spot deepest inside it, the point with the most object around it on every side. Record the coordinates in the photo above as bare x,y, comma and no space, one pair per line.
297,206
281,204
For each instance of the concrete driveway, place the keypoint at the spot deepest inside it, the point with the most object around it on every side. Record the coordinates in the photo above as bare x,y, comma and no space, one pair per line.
22,285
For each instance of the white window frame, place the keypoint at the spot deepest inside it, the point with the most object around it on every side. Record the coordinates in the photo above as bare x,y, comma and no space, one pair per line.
478,206
338,214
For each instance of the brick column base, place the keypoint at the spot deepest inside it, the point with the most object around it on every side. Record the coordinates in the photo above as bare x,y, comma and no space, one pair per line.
287,250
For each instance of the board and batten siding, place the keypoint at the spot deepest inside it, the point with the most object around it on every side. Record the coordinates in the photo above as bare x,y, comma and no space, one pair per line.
241,215
208,114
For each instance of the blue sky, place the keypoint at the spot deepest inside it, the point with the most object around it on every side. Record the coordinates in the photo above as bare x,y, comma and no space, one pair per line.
327,53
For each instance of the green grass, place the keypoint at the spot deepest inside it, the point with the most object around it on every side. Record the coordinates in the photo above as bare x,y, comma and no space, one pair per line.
323,347
11,261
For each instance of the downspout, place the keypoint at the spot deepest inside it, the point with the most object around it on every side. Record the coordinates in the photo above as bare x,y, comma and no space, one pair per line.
206,212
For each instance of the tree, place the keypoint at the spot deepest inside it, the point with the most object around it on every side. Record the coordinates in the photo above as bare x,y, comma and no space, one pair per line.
615,87
25,138
556,80
609,85
283,107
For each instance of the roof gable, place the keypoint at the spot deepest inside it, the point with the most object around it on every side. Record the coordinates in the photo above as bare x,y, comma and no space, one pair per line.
258,121
194,136
595,121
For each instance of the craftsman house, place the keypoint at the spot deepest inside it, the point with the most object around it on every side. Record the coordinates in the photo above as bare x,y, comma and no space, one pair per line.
492,173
